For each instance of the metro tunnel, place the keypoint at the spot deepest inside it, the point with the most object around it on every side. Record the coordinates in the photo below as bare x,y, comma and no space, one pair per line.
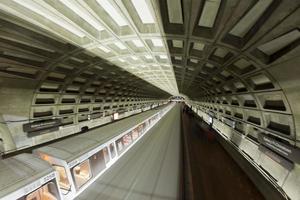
150,99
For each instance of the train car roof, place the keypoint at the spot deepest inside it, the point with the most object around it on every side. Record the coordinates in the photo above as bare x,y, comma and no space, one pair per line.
73,147
21,170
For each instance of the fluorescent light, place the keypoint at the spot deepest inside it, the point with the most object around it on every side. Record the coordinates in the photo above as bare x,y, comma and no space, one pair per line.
248,21
157,42
275,45
148,57
106,50
221,53
120,45
194,60
209,13
175,11
242,63
178,58
163,56
209,65
75,7
115,15
137,43
33,6
134,57
143,11
177,43
122,60
198,46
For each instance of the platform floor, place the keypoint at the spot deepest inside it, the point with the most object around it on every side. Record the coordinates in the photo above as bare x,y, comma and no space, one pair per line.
215,175
149,170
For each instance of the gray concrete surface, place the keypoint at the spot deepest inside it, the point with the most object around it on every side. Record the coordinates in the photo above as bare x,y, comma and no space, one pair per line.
149,170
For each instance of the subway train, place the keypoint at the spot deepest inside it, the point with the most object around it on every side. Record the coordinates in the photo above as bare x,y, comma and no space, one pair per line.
64,169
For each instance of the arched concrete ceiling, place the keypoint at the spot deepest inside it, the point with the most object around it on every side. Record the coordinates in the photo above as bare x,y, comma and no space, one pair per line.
239,59
233,57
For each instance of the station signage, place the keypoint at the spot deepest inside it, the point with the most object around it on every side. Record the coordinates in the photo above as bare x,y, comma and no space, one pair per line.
229,122
96,115
212,114
41,127
287,151
121,110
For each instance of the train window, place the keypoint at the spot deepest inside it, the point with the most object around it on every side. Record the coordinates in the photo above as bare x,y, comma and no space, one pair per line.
135,133
48,191
112,150
106,154
119,143
81,173
98,162
127,139
141,128
63,180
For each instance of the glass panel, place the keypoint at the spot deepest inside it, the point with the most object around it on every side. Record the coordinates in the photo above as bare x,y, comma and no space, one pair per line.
106,155
97,162
127,140
112,150
63,180
120,146
47,192
135,133
82,173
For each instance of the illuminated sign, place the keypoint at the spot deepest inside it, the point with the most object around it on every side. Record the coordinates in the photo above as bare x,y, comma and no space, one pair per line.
289,152
116,116
41,127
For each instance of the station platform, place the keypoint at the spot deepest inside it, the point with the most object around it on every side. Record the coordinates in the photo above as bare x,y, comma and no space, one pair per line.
215,175
152,168
149,170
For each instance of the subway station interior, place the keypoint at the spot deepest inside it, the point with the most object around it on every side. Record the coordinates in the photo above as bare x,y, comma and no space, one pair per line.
150,99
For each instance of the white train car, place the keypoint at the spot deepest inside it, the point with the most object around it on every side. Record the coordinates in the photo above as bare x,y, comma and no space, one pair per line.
26,177
82,159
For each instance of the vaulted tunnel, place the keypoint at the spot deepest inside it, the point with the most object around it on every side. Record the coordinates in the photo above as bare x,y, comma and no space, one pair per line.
76,63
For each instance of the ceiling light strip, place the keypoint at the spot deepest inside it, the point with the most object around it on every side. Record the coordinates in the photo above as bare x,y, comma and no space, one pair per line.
175,11
40,10
143,10
76,8
209,13
113,12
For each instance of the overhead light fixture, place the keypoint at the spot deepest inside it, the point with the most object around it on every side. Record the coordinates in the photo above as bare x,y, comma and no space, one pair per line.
221,52
194,60
175,11
178,58
122,60
120,45
163,56
35,7
143,11
209,13
157,42
148,57
106,50
137,43
134,57
198,46
177,43
280,42
113,12
75,7
248,21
